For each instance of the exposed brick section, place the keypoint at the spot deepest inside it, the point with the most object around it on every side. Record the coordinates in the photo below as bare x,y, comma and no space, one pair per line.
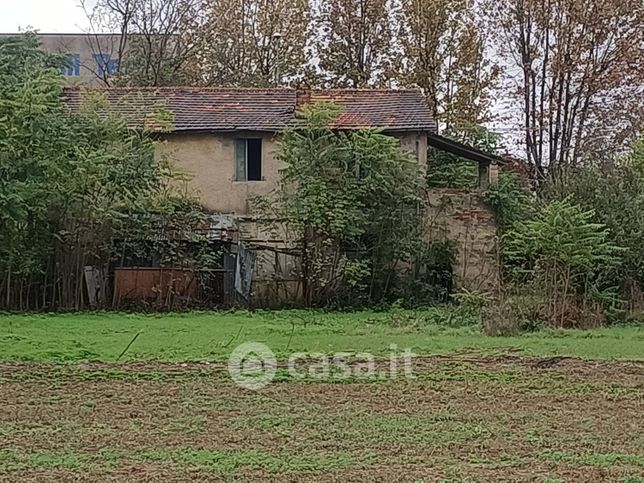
235,109
463,217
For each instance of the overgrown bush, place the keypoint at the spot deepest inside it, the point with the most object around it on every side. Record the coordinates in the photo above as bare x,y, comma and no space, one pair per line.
71,185
355,202
564,255
614,191
509,201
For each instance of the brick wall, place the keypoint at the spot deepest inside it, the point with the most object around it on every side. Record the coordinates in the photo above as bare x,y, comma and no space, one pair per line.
463,217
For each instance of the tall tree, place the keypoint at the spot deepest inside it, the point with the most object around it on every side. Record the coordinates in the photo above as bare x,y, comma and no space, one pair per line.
444,53
253,42
571,59
156,41
355,42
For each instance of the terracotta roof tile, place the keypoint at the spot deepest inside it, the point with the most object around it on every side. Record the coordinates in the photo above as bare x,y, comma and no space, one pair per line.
223,109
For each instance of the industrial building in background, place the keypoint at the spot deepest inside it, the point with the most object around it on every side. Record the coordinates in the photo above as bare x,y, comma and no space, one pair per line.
93,58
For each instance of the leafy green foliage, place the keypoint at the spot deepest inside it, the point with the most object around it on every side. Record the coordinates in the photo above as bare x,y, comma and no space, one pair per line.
350,196
565,253
509,201
325,195
29,97
615,192
449,171
69,185
561,234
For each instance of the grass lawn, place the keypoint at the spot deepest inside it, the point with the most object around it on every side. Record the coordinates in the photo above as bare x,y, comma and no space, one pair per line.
212,336
479,409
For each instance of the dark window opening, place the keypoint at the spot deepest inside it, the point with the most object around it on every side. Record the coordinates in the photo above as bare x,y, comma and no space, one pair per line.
248,160
254,160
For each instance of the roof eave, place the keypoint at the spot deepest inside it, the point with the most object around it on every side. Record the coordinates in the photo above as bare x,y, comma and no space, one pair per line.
463,150
388,130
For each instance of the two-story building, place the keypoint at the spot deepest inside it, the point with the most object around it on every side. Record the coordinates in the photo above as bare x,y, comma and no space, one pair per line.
224,139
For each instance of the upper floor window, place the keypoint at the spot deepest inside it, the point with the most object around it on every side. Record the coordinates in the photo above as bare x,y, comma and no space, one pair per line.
105,65
248,160
73,66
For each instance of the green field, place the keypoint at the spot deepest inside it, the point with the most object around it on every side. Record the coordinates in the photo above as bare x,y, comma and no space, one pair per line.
212,336
479,409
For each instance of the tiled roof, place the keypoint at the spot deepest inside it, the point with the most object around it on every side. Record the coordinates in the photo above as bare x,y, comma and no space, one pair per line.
388,109
234,109
199,109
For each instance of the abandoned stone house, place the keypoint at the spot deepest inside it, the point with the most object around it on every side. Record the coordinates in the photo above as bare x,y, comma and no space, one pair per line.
224,140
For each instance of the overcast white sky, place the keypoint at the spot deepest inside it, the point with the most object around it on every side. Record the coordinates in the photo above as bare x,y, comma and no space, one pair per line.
43,15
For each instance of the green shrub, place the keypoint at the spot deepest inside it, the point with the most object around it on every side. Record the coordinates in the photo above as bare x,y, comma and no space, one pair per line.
509,201
449,171
564,254
356,202
74,186
615,193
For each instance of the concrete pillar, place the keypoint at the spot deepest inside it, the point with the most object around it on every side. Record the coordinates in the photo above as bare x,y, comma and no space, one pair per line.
488,175
484,176
493,174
